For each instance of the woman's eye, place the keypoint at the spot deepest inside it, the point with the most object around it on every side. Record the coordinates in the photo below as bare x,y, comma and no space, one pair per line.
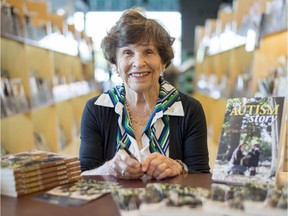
127,52
149,52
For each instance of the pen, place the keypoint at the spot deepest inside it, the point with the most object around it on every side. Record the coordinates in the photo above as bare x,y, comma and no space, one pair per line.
128,151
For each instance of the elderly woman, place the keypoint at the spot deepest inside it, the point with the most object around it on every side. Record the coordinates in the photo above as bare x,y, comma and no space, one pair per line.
164,129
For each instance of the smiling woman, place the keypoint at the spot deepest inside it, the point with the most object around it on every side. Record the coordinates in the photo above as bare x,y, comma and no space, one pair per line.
163,128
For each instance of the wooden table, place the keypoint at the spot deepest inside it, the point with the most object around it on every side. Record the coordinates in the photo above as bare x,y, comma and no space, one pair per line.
103,206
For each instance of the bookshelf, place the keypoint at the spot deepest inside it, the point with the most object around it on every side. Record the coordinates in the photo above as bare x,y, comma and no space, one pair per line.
272,46
53,79
54,120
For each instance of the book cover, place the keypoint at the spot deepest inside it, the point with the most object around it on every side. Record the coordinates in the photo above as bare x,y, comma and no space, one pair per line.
77,193
160,199
249,143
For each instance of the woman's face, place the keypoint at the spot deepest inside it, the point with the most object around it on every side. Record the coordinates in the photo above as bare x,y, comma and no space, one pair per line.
140,66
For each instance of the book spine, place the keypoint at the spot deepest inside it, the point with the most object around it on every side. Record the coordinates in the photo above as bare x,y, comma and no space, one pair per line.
40,177
50,161
65,174
40,171
73,174
41,182
39,166
71,159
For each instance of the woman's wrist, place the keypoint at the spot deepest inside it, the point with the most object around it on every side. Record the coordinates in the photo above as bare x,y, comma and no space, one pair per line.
109,168
183,167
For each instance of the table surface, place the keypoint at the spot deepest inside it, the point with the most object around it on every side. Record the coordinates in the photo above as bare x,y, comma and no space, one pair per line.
26,206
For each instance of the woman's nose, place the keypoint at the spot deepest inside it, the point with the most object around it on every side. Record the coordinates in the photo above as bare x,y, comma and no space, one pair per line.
138,60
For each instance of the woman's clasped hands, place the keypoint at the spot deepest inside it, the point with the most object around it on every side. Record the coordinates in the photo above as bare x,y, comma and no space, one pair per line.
155,166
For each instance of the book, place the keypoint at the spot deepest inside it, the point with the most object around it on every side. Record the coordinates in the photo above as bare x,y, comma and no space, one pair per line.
10,181
174,199
23,162
18,182
249,143
7,100
20,98
24,191
77,193
162,199
38,173
275,19
251,199
21,182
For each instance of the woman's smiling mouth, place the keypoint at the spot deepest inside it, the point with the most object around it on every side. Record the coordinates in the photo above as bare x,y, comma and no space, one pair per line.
139,74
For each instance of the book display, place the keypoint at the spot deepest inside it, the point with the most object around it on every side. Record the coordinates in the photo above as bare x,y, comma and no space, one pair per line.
32,171
250,141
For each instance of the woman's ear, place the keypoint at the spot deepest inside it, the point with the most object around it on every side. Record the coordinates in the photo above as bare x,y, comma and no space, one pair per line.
114,68
163,68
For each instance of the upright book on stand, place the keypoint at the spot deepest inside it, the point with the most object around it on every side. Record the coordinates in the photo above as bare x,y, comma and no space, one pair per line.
249,144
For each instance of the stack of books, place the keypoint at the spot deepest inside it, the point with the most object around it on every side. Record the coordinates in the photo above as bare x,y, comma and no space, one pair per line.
32,171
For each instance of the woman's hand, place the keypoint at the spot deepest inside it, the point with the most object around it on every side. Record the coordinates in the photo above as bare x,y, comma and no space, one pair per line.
123,166
159,166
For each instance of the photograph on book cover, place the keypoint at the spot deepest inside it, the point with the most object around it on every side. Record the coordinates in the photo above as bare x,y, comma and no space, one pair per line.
249,143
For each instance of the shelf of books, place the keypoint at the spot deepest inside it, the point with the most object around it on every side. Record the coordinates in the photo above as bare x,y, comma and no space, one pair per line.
43,93
270,58
45,79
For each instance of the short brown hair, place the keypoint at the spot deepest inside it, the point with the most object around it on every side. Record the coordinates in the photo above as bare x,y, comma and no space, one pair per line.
133,27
